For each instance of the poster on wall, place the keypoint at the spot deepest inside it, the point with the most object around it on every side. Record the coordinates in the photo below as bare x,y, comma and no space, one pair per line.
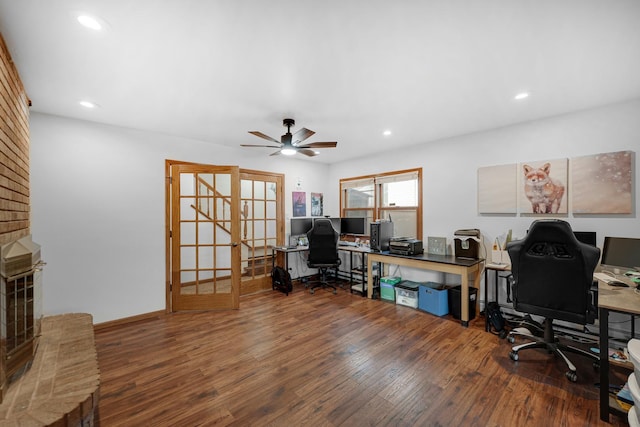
316,204
542,187
299,203
497,189
602,183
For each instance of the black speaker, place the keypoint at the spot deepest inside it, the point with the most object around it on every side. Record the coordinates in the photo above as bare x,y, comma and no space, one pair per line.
380,235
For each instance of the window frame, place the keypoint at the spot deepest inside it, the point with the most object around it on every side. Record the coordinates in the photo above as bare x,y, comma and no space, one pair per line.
378,180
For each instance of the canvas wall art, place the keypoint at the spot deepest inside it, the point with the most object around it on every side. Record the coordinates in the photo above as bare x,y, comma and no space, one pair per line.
497,189
316,204
542,187
299,203
602,183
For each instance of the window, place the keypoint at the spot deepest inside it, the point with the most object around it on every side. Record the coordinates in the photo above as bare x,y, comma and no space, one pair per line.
391,195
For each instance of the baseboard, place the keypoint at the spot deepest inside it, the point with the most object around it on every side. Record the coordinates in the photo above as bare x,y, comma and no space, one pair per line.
126,320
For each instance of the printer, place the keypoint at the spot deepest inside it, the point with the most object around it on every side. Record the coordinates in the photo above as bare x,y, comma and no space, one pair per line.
405,246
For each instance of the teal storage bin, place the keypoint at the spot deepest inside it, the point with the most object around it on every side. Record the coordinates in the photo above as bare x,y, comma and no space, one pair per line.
433,298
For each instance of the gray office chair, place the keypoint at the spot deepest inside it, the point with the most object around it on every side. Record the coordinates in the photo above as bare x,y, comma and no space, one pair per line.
552,276
323,251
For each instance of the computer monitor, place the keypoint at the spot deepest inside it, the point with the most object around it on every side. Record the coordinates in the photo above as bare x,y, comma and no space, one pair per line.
300,226
588,237
621,253
353,225
335,221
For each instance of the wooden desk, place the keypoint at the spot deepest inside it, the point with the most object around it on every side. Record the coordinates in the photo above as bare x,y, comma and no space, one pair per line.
619,300
441,263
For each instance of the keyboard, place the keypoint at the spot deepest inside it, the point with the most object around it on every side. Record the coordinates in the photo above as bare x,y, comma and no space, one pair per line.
606,278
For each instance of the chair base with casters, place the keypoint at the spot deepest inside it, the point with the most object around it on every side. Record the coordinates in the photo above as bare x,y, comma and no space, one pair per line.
322,283
551,343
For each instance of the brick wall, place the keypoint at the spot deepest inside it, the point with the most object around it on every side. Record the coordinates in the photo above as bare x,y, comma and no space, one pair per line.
14,152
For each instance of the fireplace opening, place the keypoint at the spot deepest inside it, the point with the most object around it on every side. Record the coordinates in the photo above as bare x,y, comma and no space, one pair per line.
20,308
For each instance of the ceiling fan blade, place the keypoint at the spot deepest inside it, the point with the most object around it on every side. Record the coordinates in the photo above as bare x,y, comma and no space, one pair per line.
319,145
263,136
302,134
277,153
267,146
306,152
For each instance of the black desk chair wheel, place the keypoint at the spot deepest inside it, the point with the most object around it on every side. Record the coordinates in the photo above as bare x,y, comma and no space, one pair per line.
323,251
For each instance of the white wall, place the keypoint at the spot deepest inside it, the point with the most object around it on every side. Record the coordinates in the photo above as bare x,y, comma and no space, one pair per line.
98,209
450,169
98,195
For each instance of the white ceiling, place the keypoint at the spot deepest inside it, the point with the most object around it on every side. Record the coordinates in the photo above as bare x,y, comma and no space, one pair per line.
427,70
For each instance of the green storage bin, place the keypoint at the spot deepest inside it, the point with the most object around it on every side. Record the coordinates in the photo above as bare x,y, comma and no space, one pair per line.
387,291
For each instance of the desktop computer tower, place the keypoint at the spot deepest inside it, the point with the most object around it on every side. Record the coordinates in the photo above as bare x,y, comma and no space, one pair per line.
381,234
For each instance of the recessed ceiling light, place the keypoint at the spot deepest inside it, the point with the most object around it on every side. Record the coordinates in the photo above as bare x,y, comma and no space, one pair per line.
520,96
88,104
386,133
89,22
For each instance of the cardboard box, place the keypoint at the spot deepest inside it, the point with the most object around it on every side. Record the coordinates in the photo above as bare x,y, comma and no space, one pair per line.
433,298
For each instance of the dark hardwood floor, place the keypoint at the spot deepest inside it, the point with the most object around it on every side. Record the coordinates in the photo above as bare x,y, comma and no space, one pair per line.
330,360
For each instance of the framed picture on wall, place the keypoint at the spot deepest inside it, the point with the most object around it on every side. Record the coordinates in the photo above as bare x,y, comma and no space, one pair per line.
497,189
602,183
299,203
316,204
542,187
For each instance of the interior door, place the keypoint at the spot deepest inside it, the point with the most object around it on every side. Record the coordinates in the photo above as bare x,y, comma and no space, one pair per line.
261,207
205,237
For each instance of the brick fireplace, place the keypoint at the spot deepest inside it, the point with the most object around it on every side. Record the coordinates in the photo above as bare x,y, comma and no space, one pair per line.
20,308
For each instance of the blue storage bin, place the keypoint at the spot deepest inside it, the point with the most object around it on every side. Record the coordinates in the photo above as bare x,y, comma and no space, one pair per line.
433,299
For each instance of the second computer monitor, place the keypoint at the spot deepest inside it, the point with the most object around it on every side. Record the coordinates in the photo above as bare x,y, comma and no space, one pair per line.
621,253
353,225
300,226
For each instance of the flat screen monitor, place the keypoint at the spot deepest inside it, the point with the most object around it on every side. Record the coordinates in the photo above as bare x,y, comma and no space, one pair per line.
620,252
300,226
588,237
353,225
335,222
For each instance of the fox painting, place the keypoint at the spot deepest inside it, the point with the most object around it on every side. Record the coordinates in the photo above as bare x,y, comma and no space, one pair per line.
544,192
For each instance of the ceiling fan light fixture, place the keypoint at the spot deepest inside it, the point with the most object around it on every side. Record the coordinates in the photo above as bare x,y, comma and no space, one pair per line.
288,151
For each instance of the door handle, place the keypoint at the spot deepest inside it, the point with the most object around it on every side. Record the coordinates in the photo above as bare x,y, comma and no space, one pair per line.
234,244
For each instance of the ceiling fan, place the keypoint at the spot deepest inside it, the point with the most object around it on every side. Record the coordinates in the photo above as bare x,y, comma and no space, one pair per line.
291,144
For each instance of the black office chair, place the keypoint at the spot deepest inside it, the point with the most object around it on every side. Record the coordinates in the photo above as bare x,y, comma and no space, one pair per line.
323,251
552,275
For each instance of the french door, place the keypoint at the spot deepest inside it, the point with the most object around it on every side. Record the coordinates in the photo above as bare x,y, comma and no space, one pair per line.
223,223
205,237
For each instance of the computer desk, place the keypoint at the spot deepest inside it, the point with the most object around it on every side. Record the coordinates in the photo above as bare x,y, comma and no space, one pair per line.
619,300
440,263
